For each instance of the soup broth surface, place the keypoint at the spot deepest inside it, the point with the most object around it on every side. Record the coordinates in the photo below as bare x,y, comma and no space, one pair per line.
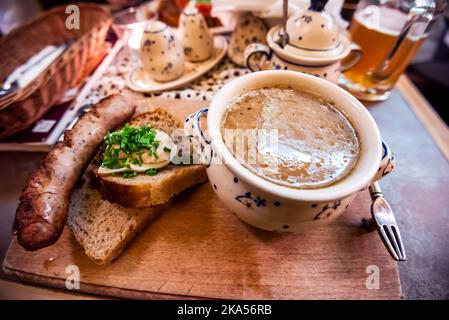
291,138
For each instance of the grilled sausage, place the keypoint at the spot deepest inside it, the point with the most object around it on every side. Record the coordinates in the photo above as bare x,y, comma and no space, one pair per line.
42,211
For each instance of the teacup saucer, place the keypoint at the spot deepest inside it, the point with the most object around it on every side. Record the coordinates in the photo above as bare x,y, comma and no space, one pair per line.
139,81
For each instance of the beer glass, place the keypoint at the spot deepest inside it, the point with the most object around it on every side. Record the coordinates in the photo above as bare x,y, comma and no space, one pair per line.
389,33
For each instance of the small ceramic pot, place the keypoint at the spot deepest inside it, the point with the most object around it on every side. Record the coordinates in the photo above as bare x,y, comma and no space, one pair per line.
272,57
274,61
195,36
249,29
278,208
315,46
161,54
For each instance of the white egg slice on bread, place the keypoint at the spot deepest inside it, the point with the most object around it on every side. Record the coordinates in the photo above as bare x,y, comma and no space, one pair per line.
158,159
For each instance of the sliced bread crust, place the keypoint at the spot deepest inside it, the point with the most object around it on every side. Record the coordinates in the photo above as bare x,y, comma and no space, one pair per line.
144,190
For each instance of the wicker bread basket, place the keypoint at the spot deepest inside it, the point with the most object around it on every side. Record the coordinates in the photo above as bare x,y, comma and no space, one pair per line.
26,105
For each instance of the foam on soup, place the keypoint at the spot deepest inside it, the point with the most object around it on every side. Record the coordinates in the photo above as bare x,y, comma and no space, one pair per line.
291,138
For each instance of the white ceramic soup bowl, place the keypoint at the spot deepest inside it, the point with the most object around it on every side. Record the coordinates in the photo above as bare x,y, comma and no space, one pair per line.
272,207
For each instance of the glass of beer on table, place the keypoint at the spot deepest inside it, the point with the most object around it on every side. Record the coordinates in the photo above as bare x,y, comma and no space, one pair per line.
389,32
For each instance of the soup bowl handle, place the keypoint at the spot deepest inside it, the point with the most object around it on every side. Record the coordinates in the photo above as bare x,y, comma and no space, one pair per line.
387,163
198,139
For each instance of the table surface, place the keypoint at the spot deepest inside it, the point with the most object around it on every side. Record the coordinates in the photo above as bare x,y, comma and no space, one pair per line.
420,141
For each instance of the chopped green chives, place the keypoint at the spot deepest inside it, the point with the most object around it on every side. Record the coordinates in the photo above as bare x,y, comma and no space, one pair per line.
127,142
151,172
129,174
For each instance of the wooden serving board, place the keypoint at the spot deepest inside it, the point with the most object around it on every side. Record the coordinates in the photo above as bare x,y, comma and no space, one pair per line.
199,249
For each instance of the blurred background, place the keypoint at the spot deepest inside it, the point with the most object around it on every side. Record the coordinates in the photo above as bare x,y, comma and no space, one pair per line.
429,69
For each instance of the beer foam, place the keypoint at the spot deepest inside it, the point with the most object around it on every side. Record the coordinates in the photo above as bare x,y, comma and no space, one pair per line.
382,19
316,145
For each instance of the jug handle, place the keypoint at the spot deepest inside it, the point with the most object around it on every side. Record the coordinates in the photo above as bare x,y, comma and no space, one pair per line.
352,59
253,49
385,69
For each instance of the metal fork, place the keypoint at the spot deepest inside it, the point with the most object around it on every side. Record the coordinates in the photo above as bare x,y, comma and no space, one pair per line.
385,223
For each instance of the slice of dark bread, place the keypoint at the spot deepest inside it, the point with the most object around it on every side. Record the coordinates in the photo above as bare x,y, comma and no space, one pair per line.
160,119
103,228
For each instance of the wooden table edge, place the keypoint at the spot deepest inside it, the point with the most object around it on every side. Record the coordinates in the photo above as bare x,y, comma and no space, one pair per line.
55,288
425,113
432,122
16,290
26,286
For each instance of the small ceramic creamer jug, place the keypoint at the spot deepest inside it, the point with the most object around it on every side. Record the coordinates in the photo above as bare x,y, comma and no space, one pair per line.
315,46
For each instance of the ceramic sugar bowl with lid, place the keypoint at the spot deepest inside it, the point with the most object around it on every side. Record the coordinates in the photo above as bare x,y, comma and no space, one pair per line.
315,46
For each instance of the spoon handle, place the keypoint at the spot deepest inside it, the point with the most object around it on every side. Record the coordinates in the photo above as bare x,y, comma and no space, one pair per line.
284,22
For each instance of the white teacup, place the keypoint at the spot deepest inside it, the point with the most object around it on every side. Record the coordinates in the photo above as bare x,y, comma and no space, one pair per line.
272,207
161,53
196,38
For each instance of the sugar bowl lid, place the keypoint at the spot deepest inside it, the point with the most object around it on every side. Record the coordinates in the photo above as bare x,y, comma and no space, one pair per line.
313,35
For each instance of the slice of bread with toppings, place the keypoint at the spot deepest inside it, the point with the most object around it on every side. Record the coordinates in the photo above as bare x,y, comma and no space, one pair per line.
144,190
